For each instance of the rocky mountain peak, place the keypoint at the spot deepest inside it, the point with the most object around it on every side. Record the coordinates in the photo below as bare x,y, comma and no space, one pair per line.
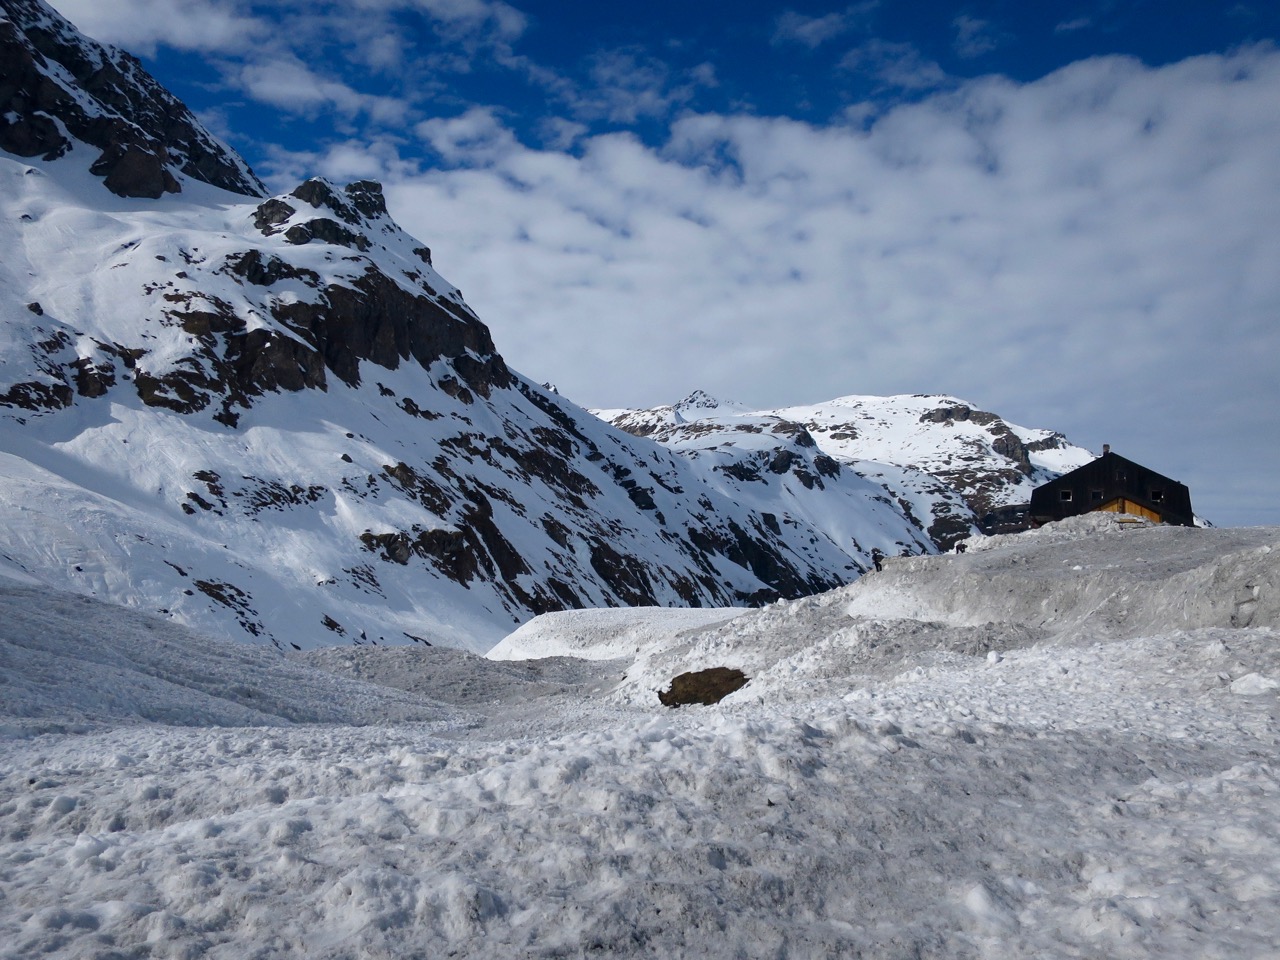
700,403
356,203
943,462
59,90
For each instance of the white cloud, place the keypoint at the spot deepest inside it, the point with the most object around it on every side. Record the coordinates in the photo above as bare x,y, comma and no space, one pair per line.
1070,26
628,84
357,160
974,37
474,16
812,32
290,84
476,137
289,53
227,25
896,65
1094,252
141,25
561,134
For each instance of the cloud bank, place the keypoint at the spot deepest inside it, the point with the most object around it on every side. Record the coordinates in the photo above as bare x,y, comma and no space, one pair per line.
1094,251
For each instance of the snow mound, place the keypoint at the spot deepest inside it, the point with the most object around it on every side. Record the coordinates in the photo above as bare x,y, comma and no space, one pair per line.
1087,525
1089,577
1082,580
605,634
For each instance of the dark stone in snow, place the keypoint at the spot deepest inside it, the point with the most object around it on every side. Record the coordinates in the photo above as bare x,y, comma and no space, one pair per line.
703,687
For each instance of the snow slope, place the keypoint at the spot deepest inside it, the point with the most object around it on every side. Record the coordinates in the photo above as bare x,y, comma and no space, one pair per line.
1042,784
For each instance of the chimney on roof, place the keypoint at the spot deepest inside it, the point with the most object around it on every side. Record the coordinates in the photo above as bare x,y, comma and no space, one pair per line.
1106,448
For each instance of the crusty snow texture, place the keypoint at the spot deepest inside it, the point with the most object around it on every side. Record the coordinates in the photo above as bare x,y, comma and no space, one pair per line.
1059,744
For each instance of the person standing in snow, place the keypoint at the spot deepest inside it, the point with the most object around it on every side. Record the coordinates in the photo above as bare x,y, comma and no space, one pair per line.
877,558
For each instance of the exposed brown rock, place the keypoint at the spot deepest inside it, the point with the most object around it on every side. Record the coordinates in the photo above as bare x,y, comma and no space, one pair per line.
270,214
327,231
264,269
132,171
703,687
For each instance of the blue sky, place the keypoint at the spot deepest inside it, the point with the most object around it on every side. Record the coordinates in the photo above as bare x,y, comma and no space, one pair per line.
299,74
1066,213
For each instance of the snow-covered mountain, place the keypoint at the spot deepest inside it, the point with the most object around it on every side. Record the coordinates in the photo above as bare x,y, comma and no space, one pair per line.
271,418
943,463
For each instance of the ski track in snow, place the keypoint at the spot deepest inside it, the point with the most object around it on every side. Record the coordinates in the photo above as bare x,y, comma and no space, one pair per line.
885,786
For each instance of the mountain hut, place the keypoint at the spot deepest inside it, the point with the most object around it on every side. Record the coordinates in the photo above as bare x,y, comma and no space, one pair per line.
1113,484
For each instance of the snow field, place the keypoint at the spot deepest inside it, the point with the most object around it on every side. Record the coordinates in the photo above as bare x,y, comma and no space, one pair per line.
884,786
895,825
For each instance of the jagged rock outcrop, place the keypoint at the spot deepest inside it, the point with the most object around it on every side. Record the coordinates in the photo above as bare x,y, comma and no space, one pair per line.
61,91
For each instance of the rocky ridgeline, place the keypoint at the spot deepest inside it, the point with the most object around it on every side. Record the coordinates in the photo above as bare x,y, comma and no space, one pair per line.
368,312
942,463
61,91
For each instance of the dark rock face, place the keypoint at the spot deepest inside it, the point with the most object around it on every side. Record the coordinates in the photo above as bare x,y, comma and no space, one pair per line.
377,320
129,170
53,390
328,231
263,269
374,319
982,488
144,133
955,412
703,687
270,214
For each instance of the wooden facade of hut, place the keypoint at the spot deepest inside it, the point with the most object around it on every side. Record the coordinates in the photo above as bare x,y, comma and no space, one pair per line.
1115,484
